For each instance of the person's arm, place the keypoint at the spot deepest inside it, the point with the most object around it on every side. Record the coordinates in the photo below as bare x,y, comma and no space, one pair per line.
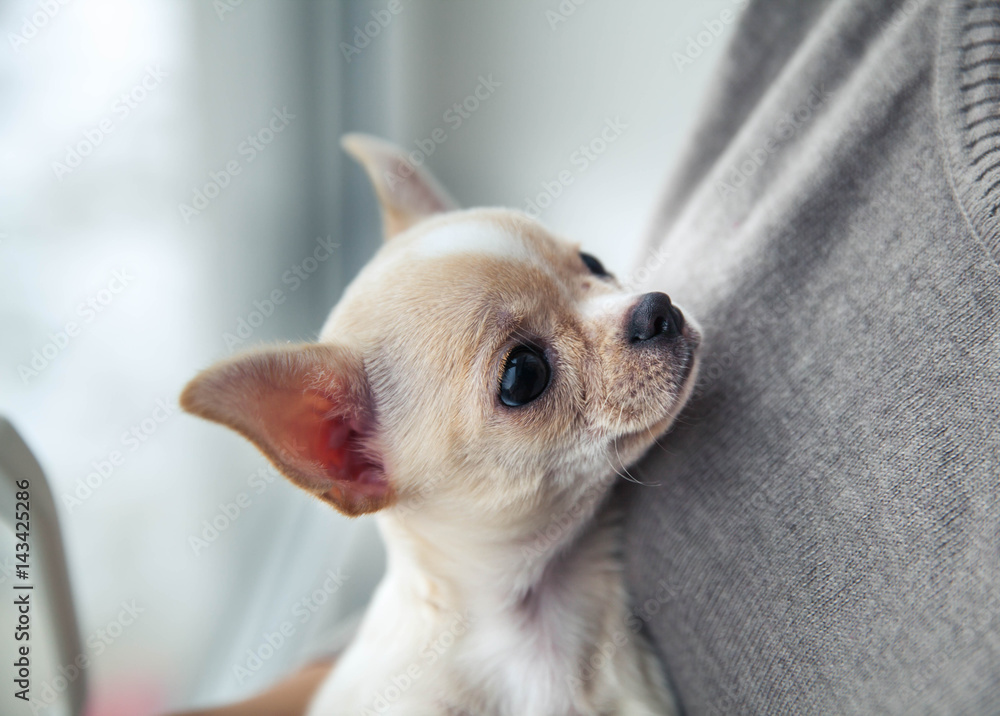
289,697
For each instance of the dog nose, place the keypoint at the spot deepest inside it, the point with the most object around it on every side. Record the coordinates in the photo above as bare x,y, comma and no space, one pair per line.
654,316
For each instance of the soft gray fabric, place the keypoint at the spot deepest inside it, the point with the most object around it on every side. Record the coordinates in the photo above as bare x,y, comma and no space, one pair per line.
825,537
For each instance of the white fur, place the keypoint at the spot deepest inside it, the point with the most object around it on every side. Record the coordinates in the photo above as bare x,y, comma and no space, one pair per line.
487,239
479,638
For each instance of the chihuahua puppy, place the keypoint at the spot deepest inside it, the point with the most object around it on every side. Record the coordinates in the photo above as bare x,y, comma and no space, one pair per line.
480,386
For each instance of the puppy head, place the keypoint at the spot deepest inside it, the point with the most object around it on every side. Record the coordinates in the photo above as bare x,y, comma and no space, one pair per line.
477,364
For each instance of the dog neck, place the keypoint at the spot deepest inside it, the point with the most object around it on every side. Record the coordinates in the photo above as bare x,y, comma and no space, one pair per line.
544,590
478,563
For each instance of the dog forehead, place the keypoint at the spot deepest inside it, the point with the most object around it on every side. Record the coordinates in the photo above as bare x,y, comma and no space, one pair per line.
460,269
476,236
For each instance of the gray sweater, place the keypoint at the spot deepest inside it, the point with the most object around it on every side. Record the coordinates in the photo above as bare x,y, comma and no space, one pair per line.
825,536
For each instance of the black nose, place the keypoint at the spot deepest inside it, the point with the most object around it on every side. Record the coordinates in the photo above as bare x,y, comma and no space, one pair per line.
654,316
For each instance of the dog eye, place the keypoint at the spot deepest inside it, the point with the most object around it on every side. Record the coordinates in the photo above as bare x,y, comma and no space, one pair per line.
525,376
595,266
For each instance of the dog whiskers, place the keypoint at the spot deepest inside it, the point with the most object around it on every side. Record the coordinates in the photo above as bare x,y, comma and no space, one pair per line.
627,475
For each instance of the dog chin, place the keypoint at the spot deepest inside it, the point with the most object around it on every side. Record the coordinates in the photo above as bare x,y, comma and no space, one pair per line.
634,443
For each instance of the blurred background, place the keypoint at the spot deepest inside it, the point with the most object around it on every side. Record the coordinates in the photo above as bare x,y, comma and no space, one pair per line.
172,191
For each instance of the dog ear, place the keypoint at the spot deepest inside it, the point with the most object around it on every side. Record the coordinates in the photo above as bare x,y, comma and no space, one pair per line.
308,408
406,192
